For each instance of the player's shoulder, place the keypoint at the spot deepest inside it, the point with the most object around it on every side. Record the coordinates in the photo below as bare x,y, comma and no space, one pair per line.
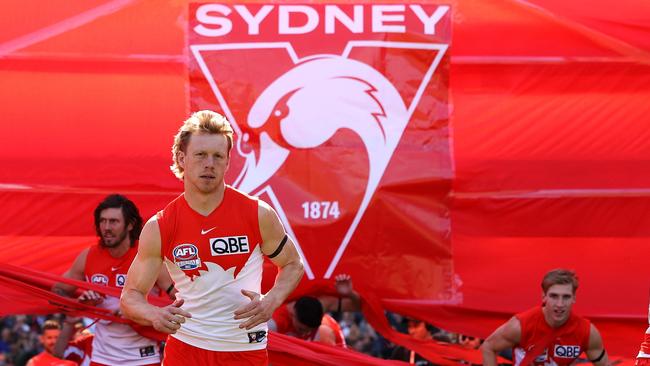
241,195
530,314
172,206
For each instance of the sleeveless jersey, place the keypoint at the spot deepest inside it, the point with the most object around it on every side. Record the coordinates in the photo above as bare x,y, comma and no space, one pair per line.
211,259
116,343
571,339
282,318
46,359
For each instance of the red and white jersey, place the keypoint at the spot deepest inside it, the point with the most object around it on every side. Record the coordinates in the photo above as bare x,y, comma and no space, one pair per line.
211,259
571,339
80,350
116,343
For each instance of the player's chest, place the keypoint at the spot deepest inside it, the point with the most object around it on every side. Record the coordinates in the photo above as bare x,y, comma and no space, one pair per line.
216,241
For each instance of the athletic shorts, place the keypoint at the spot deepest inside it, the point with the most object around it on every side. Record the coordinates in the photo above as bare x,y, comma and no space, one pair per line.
178,353
642,362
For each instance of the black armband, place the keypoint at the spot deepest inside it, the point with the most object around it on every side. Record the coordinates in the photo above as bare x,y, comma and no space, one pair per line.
279,249
170,289
602,354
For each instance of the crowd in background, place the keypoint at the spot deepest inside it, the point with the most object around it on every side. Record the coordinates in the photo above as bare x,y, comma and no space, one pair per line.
19,338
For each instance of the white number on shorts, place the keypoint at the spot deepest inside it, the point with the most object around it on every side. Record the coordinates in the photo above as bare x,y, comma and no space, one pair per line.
321,209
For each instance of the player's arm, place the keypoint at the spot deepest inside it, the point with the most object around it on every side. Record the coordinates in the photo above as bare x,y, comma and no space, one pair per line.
67,332
280,249
165,283
596,352
504,337
141,277
76,272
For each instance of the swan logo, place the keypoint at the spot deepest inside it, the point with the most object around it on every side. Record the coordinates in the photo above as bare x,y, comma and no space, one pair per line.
306,103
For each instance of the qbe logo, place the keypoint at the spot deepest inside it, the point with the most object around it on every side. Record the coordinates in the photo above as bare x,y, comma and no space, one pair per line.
563,351
228,245
99,279
120,279
186,257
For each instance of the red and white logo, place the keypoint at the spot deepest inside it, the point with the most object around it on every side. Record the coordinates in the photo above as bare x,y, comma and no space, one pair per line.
99,279
186,256
298,108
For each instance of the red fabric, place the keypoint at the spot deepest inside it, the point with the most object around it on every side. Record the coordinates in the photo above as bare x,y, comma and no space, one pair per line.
46,359
290,351
30,289
178,353
282,319
537,162
175,236
540,342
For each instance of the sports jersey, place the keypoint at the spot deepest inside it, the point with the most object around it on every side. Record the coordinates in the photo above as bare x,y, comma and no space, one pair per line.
567,343
116,343
211,259
46,359
283,321
79,350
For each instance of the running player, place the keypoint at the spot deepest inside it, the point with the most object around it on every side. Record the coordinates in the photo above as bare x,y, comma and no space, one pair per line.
118,224
212,239
550,334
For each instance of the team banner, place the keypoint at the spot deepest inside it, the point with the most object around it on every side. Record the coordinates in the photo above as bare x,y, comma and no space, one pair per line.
341,122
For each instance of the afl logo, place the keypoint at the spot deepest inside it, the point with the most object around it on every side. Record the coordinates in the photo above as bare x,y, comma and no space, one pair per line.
186,257
99,279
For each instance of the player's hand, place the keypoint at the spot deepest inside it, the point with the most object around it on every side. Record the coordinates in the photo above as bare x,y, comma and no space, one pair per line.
169,319
344,285
90,297
258,311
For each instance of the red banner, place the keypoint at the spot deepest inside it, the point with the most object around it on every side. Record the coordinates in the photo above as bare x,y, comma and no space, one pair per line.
341,120
545,103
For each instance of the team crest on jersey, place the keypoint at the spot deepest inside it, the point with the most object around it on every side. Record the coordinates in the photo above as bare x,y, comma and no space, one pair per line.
99,279
186,257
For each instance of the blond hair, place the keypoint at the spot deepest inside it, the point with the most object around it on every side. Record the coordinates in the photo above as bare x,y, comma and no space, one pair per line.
208,122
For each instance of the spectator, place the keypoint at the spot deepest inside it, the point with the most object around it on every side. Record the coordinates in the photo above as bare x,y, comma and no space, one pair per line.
418,330
51,331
